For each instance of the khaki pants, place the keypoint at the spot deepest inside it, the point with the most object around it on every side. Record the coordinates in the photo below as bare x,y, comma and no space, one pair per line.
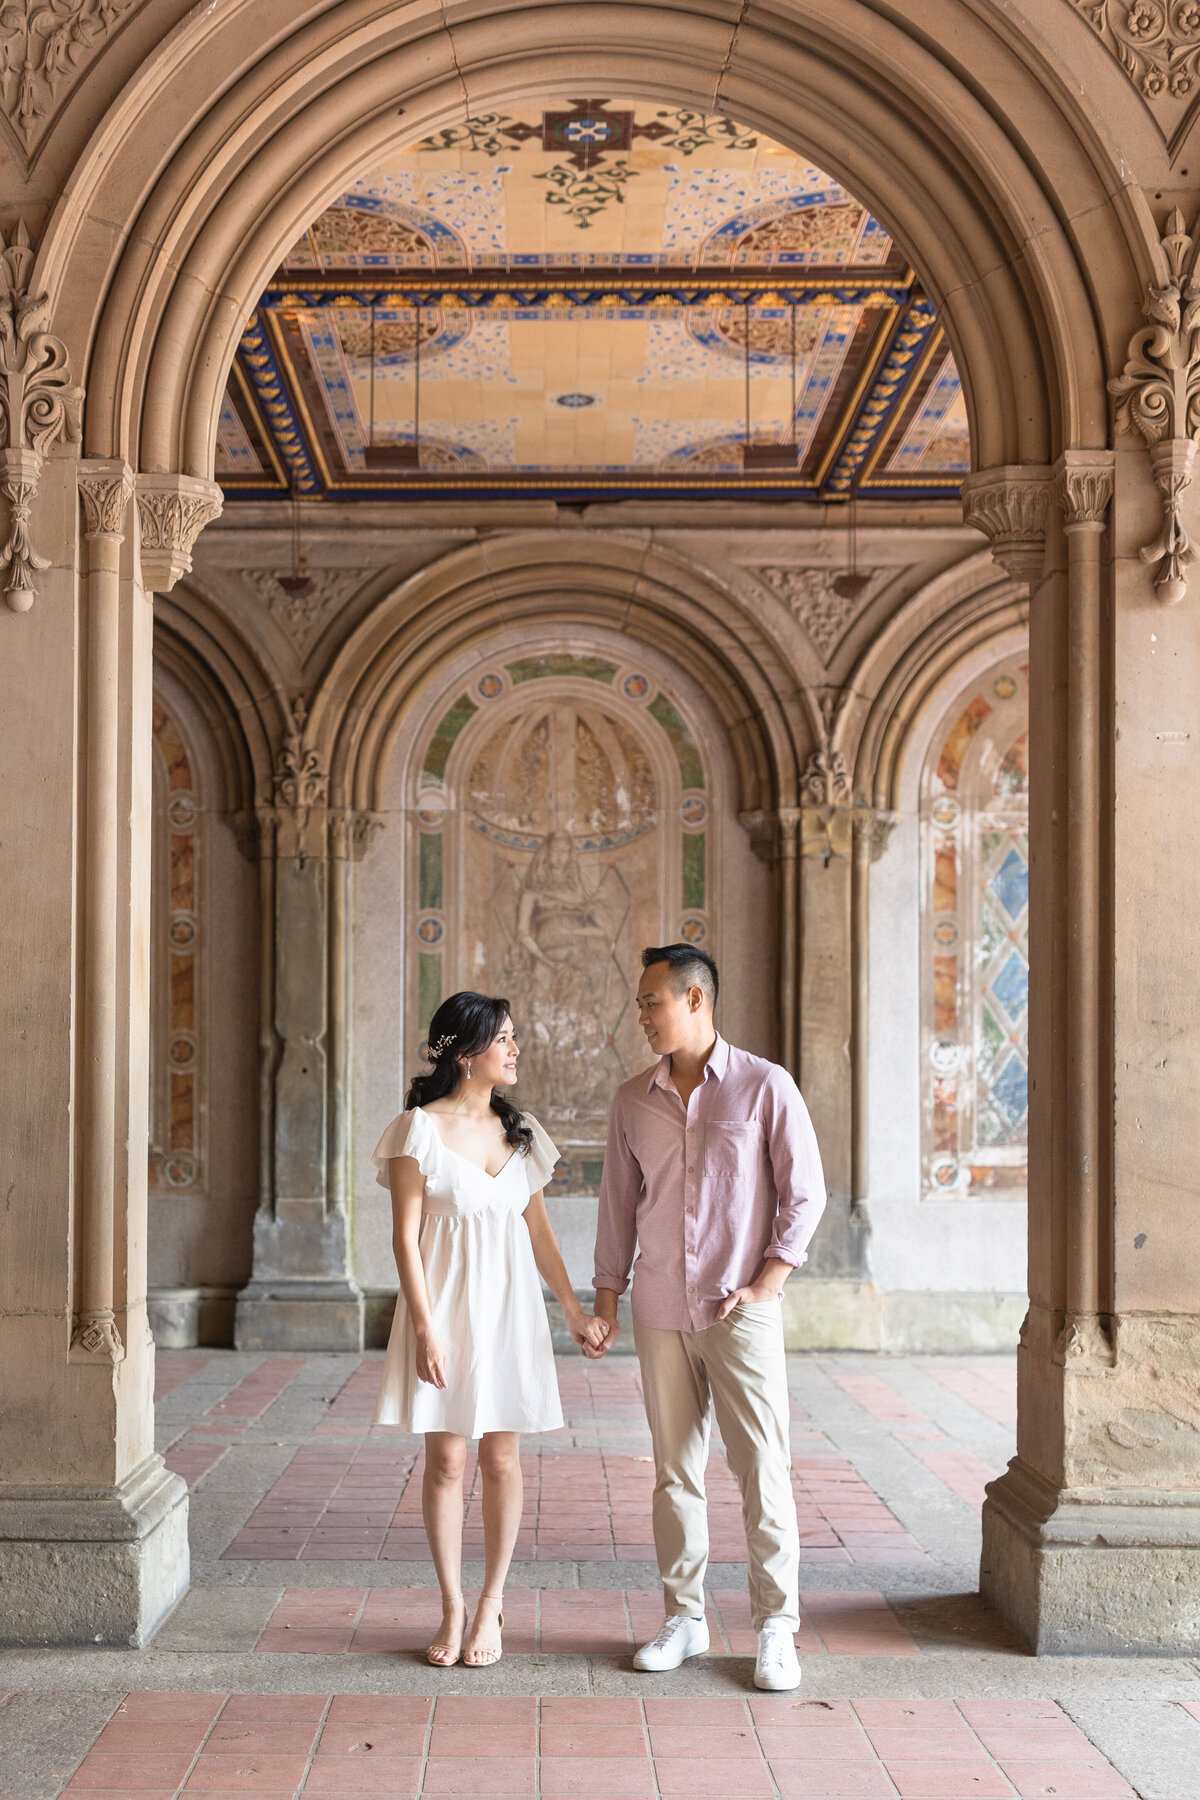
740,1364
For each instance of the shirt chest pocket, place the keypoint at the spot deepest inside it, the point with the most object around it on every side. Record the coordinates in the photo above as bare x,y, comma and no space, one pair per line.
731,1150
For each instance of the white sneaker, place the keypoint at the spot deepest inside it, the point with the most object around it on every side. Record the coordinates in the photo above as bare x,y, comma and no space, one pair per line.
679,1638
776,1666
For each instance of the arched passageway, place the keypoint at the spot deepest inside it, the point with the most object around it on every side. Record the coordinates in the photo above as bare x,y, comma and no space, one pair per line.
218,149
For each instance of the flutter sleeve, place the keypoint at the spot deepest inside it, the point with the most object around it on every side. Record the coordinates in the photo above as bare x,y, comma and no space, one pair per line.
405,1136
539,1164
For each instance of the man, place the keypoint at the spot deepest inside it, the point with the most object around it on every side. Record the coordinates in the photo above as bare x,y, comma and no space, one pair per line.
712,1168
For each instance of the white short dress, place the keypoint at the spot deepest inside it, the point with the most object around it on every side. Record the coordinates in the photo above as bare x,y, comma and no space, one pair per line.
485,1294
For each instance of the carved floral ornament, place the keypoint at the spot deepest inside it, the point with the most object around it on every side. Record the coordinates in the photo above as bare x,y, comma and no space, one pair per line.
45,45
1156,42
39,407
1158,396
300,780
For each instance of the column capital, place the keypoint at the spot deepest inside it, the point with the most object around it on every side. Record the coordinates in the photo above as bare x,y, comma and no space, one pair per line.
1083,488
1009,505
105,487
172,512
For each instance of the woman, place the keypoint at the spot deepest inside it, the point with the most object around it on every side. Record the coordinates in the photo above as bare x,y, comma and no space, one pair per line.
470,1354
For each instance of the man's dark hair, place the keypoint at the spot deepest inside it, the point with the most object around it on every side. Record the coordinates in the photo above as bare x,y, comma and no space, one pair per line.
689,968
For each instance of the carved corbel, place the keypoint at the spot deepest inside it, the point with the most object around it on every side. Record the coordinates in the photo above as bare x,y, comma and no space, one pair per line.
172,512
39,406
1009,506
1158,396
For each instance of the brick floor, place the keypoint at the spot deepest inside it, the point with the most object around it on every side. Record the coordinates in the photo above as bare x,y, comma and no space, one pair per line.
361,1502
569,1622
890,1457
279,1747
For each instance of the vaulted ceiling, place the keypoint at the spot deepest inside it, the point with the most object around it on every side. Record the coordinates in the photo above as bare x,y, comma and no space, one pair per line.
594,300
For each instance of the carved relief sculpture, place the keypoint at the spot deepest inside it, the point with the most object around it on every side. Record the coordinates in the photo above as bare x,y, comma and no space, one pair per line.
39,406
813,598
44,46
300,781
1158,396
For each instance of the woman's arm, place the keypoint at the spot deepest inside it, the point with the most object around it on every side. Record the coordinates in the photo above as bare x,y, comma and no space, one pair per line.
585,1328
408,1191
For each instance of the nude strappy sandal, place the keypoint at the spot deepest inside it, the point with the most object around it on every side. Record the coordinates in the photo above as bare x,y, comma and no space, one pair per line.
492,1657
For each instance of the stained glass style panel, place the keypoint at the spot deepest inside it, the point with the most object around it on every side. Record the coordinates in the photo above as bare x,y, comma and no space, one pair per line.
975,932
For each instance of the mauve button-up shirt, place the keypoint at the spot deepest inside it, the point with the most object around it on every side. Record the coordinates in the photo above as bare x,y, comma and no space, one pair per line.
706,1192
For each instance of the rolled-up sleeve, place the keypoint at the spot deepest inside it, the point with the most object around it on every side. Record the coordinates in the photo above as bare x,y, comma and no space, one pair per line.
620,1190
796,1169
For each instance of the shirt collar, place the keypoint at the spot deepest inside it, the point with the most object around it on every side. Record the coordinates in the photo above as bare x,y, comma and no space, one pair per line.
716,1065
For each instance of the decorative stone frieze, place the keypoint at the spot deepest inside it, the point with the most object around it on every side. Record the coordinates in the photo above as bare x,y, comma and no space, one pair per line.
813,598
1158,396
172,512
45,46
1083,488
39,406
1009,505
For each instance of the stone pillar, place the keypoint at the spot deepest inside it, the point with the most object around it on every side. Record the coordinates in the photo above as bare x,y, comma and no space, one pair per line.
810,847
1092,1537
93,1528
302,1294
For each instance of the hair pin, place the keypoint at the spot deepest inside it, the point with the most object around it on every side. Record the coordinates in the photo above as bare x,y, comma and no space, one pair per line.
440,1048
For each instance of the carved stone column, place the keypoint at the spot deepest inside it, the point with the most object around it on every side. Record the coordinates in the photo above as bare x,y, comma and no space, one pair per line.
1092,1537
809,847
93,1528
302,1294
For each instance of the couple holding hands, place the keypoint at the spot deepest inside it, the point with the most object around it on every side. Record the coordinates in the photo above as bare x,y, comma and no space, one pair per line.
712,1174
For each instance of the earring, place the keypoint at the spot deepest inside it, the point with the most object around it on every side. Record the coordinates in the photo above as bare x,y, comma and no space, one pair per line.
468,1071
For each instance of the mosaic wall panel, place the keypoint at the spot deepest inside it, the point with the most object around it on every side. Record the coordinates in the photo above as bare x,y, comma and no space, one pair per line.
975,942
561,810
175,1098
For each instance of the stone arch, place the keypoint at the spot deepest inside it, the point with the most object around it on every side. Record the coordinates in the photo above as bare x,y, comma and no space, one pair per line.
924,645
629,585
248,143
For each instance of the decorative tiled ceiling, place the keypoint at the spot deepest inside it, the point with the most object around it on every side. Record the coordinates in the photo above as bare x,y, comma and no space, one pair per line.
594,300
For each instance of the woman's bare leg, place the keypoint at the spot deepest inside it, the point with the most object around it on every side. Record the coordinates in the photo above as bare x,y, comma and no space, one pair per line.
442,1510
503,1503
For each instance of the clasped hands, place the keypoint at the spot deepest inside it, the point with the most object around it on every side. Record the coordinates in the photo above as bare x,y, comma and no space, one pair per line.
589,1331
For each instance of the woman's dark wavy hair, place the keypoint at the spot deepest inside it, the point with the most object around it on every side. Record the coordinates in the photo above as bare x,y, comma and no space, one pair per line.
464,1025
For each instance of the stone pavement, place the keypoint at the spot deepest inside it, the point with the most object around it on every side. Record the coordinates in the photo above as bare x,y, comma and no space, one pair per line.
293,1666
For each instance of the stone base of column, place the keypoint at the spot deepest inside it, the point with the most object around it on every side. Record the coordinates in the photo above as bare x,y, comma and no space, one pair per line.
280,1314
93,1565
1091,1572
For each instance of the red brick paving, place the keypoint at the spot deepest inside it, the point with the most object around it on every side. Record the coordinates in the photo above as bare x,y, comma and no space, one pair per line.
568,1622
992,1391
962,1473
175,1367
361,1502
281,1747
